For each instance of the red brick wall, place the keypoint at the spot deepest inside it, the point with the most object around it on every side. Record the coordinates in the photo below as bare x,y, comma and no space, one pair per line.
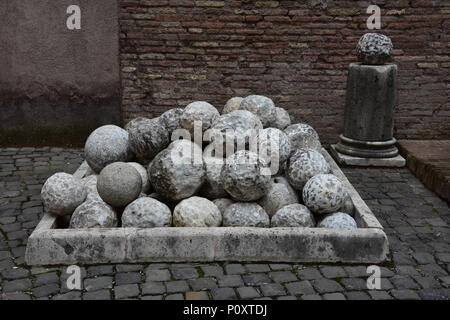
296,52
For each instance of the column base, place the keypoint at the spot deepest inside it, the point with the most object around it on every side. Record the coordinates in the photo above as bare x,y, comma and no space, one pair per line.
343,159
367,149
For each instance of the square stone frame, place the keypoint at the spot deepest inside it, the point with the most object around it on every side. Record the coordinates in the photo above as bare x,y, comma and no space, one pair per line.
367,244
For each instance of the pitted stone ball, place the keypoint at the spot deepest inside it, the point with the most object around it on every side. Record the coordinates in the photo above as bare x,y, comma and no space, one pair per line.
134,122
232,105
144,176
213,186
303,136
93,214
304,165
324,194
62,193
338,220
106,145
222,204
261,106
90,183
178,172
374,49
274,148
201,111
245,177
171,120
146,213
278,196
282,119
348,206
119,184
245,214
148,138
196,212
293,216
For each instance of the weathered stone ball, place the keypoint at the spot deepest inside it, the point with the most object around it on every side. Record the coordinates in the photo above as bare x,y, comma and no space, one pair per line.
106,145
146,213
196,212
348,206
93,213
245,214
213,186
245,177
90,183
178,172
144,176
134,122
62,193
148,138
282,119
338,220
200,111
293,216
222,204
324,193
119,184
274,147
171,120
374,49
232,105
303,136
261,106
278,196
305,165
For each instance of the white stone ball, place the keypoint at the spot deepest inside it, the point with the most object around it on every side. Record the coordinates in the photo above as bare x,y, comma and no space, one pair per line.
304,165
261,106
146,213
171,120
222,204
274,145
90,183
232,105
200,111
282,120
93,213
338,220
144,176
278,196
324,193
293,216
303,136
246,214
196,212
213,186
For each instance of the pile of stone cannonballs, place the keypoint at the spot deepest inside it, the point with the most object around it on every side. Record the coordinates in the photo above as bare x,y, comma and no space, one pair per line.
143,177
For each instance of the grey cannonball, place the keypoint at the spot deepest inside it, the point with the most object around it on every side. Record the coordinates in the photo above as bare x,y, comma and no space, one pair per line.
222,204
62,193
245,214
213,186
196,212
282,120
106,145
90,183
261,106
374,49
245,177
324,193
274,145
119,184
232,105
306,164
178,172
147,138
134,122
348,206
279,195
93,214
144,176
293,216
303,136
171,120
338,220
146,213
200,111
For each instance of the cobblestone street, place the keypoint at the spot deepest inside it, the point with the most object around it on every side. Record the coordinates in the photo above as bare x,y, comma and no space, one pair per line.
415,219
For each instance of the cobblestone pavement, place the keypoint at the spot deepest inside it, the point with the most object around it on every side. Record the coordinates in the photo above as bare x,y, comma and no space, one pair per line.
416,221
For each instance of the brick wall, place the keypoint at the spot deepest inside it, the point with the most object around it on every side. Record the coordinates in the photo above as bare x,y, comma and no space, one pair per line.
296,52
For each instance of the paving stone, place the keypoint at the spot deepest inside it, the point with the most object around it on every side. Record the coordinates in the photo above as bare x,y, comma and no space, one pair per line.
334,296
356,271
326,286
99,270
309,274
253,268
202,284
256,279
16,285
14,274
201,295
158,275
379,295
94,284
300,288
177,286
15,296
247,292
333,272
235,269
46,278
279,267
432,270
73,295
357,295
427,282
282,276
423,257
152,288
405,294
445,281
45,291
212,271
230,281
152,297
126,291
177,296
404,282
128,278
407,270
272,290
154,266
354,284
128,267
434,294
223,294
97,295
185,273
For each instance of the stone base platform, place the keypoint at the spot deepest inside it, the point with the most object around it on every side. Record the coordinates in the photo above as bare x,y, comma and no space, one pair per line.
343,159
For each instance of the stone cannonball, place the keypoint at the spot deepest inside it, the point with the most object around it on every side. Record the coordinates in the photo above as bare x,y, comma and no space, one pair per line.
201,111
293,216
245,177
278,196
222,204
245,214
148,138
306,164
213,186
232,105
144,176
119,184
171,120
374,49
196,212
90,183
274,145
348,206
93,214
134,122
261,106
338,220
324,194
62,193
106,145
146,213
282,119
303,136
178,172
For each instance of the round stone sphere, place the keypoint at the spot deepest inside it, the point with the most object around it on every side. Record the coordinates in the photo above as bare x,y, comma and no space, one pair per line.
232,105
303,136
213,186
374,49
93,214
146,213
119,184
282,119
178,172
148,138
200,111
90,183
293,216
222,204
106,145
324,193
245,214
274,145
135,122
171,120
278,196
261,106
338,220
196,212
245,177
305,165
348,206
144,176
62,193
